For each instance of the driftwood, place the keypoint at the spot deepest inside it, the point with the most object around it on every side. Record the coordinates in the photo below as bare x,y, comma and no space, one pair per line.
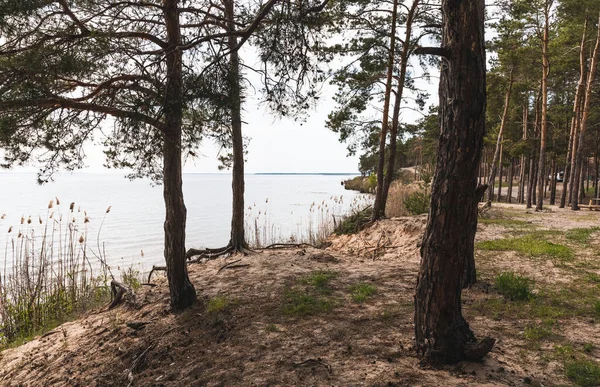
313,362
118,290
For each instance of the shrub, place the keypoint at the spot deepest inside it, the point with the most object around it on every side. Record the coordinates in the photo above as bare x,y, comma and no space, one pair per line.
417,203
513,286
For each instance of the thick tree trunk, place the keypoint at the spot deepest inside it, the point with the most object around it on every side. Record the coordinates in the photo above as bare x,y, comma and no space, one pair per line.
398,101
544,128
238,240
511,168
181,289
441,332
581,146
498,151
378,205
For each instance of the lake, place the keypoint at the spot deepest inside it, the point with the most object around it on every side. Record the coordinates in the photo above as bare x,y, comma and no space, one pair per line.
278,207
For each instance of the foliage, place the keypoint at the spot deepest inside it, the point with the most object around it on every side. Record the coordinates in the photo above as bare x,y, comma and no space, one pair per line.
583,372
513,286
361,292
354,222
532,244
417,203
218,304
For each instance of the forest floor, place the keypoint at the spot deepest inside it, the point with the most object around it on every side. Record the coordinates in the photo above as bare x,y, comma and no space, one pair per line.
343,316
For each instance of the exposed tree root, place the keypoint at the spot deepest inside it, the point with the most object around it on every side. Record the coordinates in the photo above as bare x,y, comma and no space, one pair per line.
288,246
476,351
118,290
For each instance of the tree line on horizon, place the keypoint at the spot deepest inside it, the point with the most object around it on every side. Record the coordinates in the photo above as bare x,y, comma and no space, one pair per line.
167,74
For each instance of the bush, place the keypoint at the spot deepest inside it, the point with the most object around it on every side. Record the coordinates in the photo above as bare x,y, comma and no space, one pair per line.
513,286
417,203
354,222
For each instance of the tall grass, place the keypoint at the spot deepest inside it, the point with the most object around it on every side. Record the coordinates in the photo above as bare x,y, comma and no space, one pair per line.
50,273
315,226
407,199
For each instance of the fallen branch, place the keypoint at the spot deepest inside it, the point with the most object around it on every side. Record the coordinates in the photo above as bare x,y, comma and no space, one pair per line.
313,362
288,246
208,253
155,268
227,264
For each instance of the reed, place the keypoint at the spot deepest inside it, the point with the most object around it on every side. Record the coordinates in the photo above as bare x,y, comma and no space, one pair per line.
50,273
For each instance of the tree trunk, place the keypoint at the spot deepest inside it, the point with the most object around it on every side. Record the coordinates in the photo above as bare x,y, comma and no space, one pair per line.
553,183
398,101
524,160
544,128
499,198
581,146
510,180
596,176
442,334
567,177
238,239
181,289
378,205
499,142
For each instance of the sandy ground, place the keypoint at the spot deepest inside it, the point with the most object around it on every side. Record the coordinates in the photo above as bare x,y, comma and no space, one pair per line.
254,342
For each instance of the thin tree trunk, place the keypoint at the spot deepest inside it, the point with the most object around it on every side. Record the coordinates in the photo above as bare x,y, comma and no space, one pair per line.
596,176
544,128
581,148
510,180
499,140
499,198
398,101
441,333
524,160
553,183
378,204
181,290
238,239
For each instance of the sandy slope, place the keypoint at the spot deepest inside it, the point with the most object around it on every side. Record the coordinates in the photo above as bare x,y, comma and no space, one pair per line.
253,342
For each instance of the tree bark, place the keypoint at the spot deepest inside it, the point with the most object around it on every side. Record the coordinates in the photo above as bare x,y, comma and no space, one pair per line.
499,197
581,146
442,334
378,204
238,239
524,160
510,180
544,128
181,290
499,141
553,183
398,101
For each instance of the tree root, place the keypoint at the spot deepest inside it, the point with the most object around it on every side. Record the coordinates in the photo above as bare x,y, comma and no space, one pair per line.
209,253
118,290
476,351
288,246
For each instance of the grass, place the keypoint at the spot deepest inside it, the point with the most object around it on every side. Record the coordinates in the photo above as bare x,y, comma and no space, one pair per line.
354,222
536,332
48,277
514,287
583,372
361,292
309,296
533,245
218,304
581,235
504,222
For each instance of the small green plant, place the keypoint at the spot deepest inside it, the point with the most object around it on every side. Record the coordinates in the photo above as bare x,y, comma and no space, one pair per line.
354,222
272,328
536,332
132,278
583,372
593,278
588,347
360,292
596,307
513,286
581,235
302,303
319,280
417,203
218,304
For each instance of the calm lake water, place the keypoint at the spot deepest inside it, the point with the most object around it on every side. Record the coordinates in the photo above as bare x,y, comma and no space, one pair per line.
278,206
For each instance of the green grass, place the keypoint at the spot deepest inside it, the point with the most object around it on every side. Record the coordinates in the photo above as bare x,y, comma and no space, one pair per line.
320,280
218,304
514,287
354,222
581,235
505,222
302,303
361,292
583,372
533,245
536,332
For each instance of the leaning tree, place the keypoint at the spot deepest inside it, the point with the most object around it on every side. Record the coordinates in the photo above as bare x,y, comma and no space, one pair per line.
147,68
442,334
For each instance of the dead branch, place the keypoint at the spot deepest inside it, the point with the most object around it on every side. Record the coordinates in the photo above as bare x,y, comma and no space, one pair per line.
155,268
118,290
208,253
313,362
227,264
